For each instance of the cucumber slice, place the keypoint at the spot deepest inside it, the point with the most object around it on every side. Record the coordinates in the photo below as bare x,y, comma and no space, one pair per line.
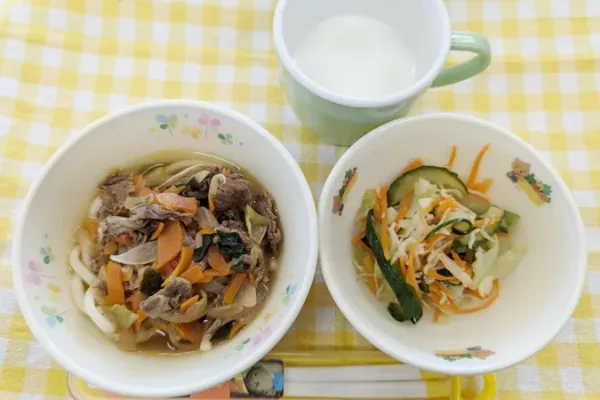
509,222
475,203
408,305
490,229
458,224
437,175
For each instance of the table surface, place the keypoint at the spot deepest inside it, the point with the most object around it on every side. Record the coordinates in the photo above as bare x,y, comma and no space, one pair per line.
64,63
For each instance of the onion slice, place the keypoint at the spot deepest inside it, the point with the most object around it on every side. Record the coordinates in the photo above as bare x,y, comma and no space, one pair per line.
95,314
80,268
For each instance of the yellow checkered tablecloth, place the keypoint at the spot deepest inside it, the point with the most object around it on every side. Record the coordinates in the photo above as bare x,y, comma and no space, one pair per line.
64,63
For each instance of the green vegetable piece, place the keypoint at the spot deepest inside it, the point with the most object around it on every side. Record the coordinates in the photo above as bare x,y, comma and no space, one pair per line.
200,252
256,224
123,316
408,301
436,175
230,244
151,281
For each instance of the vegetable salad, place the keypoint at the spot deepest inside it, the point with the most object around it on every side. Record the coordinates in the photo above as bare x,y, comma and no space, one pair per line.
432,240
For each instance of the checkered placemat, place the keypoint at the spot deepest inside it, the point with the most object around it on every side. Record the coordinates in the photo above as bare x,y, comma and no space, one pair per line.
64,63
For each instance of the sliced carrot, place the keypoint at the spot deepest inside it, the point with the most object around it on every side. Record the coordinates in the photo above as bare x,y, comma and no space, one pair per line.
502,234
184,262
114,284
476,164
458,260
432,205
483,222
91,226
141,317
110,248
410,270
474,293
176,202
366,248
193,274
251,278
124,239
484,186
237,326
126,275
170,242
187,332
452,157
404,206
158,230
211,273
370,270
188,303
449,203
377,207
216,260
433,274
207,231
234,287
413,164
385,238
211,203
403,266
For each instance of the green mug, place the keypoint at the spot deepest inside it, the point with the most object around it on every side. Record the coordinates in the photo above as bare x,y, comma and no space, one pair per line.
342,120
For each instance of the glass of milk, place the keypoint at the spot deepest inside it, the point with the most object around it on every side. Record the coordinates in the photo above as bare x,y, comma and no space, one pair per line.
348,66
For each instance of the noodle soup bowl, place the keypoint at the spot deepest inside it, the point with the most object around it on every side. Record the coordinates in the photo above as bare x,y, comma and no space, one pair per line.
534,301
59,200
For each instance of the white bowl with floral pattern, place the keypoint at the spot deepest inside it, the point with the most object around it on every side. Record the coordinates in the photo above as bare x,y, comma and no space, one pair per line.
58,201
535,300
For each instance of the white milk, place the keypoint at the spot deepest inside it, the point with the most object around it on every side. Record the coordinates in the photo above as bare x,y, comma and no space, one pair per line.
356,56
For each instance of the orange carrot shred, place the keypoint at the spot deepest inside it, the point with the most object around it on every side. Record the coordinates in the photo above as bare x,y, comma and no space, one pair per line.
484,186
452,157
404,206
476,164
141,317
370,269
251,278
436,314
413,164
184,261
114,284
234,287
194,274
237,326
157,231
170,242
216,260
385,239
188,303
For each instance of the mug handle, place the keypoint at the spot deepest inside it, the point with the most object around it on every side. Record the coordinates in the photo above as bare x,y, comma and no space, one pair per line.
471,42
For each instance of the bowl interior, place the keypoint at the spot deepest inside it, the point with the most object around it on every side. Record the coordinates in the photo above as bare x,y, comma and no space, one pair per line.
535,300
58,203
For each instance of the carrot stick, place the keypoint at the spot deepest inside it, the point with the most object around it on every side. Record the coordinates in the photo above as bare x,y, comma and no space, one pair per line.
410,271
370,270
211,204
170,242
184,262
377,208
452,157
484,186
217,261
234,287
251,278
188,303
237,326
114,284
404,206
385,239
194,274
403,266
476,164
413,164
141,317
157,231
366,248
